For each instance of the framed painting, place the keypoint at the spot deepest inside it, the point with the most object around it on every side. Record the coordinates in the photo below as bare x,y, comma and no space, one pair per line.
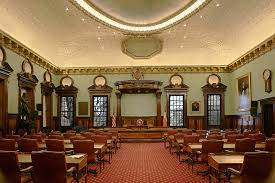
195,107
244,92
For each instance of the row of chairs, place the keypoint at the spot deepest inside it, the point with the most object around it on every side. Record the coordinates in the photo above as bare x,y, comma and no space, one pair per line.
41,170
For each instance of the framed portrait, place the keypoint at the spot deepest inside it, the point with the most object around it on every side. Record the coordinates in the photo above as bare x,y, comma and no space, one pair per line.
244,92
195,106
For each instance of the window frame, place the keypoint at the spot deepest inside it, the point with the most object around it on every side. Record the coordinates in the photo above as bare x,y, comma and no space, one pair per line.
220,109
93,112
73,111
184,110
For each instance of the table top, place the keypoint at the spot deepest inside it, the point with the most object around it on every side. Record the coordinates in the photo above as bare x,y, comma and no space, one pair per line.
181,141
223,161
198,147
25,158
97,146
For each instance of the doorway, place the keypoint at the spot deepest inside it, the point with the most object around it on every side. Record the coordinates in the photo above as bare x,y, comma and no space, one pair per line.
268,119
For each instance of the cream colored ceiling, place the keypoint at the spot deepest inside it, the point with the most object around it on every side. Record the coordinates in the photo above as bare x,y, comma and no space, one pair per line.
72,39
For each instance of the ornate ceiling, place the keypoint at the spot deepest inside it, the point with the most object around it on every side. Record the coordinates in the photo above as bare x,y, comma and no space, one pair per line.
218,34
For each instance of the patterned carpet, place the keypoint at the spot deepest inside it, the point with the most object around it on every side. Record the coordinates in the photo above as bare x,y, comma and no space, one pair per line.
146,162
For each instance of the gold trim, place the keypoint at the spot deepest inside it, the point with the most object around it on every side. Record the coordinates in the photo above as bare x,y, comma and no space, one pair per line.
22,50
125,23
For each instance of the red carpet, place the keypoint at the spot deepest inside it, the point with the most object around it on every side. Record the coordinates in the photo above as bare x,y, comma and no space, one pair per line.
145,162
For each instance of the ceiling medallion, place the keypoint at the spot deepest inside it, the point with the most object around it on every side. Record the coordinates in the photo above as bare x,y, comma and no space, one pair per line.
88,8
141,47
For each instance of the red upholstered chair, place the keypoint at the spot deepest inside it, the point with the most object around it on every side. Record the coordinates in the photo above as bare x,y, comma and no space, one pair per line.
86,147
246,133
257,167
170,139
77,137
55,133
87,135
214,137
28,145
102,139
57,137
245,145
187,132
230,133
10,169
273,135
38,137
208,146
55,145
7,144
259,137
68,135
187,139
71,131
51,167
201,133
215,130
16,137
234,137
270,145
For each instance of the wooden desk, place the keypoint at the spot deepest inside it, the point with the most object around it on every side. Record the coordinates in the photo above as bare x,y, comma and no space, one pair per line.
220,162
79,163
97,146
181,141
229,146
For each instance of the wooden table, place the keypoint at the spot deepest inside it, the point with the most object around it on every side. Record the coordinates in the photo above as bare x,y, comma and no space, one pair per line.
229,146
78,163
220,162
97,146
181,141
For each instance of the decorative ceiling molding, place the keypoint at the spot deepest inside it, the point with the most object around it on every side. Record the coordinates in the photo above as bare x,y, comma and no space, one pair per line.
92,11
259,50
27,53
263,48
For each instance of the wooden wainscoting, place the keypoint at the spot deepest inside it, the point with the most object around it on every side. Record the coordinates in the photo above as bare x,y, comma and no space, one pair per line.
243,122
151,121
195,122
11,122
84,121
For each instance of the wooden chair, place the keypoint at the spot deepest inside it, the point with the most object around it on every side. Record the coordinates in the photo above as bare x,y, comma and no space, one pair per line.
71,131
51,167
87,147
38,137
245,145
77,137
270,145
7,144
15,137
68,135
187,139
259,137
234,137
256,167
170,139
230,133
55,133
248,132
28,145
57,137
201,133
102,139
208,146
214,137
56,145
10,169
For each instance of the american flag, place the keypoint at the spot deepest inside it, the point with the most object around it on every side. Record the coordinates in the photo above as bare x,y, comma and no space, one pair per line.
113,121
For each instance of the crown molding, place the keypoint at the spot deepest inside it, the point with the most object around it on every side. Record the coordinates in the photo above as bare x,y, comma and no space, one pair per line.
26,52
19,48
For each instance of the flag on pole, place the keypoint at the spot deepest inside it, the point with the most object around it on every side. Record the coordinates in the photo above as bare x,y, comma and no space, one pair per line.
164,120
113,121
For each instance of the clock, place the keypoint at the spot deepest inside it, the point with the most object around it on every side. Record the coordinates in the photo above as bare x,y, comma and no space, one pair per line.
213,79
176,80
267,80
2,55
100,80
67,81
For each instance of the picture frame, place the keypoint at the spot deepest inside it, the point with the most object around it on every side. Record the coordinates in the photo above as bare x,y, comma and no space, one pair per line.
244,92
195,107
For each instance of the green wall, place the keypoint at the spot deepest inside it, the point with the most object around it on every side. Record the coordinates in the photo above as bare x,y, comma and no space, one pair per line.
194,80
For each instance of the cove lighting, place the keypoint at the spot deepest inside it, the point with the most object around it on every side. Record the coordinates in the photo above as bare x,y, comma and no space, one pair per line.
132,28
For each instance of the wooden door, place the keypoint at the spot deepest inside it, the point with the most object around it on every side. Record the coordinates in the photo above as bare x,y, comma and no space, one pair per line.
2,104
268,117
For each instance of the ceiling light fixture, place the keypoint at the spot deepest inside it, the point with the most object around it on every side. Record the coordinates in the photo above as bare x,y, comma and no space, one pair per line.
217,4
67,9
84,5
82,19
201,16
184,25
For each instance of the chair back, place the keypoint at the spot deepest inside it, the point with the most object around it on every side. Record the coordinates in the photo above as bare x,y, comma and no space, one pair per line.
214,137
234,137
87,135
77,137
55,133
86,147
71,131
246,133
9,166
28,145
211,146
213,130
270,145
108,134
245,145
49,167
230,133
7,144
102,139
58,137
68,135
259,137
15,137
179,135
273,135
201,133
257,167
191,139
38,137
187,132
172,132
55,145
